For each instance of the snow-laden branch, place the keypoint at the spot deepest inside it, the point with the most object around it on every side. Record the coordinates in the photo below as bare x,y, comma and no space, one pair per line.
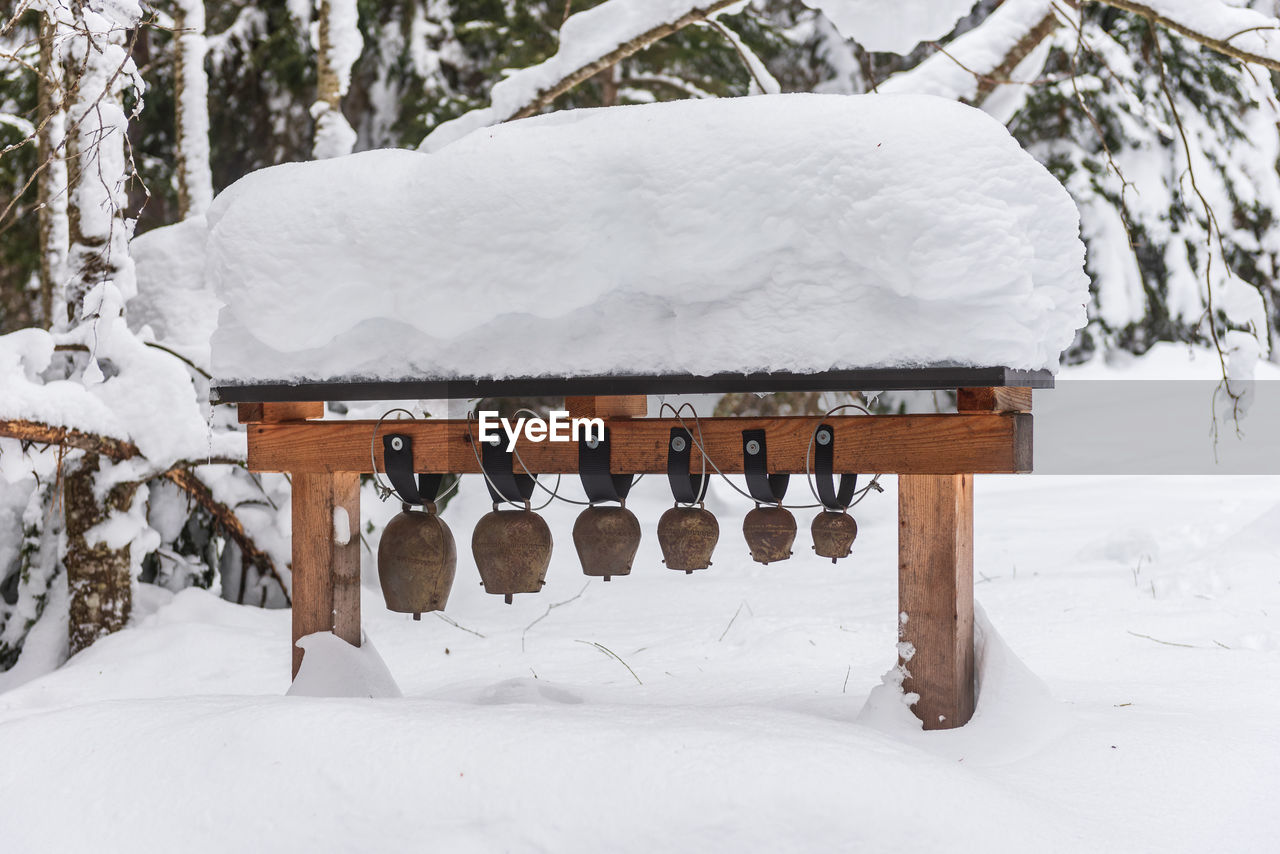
972,66
1243,33
893,26
181,474
590,41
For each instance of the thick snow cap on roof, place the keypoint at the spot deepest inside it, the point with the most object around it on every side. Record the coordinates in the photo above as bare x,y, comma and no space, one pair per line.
798,233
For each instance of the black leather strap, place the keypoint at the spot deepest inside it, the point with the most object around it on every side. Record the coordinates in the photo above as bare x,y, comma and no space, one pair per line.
504,484
397,460
593,467
687,488
832,498
764,487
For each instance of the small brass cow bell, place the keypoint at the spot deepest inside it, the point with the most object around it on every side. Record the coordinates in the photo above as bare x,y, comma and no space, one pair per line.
770,532
512,550
687,536
606,539
833,534
417,559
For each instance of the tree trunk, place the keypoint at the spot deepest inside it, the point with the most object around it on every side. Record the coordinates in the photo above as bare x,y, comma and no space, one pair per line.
98,577
338,43
52,184
191,96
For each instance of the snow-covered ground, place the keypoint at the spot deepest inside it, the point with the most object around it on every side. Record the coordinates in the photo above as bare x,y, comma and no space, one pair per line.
1148,610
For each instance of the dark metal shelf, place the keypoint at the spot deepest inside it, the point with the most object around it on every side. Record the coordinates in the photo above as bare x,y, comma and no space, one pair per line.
870,379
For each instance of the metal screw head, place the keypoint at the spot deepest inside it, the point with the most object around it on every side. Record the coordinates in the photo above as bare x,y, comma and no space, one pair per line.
593,443
753,447
397,444
824,437
678,444
493,440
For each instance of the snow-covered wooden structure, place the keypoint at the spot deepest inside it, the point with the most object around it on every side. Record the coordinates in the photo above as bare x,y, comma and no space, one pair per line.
759,245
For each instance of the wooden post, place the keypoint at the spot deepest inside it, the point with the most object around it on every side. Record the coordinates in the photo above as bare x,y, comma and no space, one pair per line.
935,595
326,573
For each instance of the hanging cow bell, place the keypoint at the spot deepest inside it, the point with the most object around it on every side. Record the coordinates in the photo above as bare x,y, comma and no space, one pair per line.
687,536
833,529
512,550
686,533
606,539
833,534
770,531
417,560
417,557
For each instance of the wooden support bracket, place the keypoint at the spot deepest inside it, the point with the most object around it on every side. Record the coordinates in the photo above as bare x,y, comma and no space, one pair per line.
270,413
987,399
608,406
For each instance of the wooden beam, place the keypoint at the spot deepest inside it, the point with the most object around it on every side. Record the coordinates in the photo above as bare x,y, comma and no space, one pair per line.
935,595
905,444
993,399
258,413
326,573
608,406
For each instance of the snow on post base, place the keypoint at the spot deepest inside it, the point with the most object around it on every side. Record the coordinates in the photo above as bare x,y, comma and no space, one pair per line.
798,233
332,667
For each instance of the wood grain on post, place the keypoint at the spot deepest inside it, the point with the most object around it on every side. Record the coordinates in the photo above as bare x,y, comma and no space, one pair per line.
326,573
935,595
608,406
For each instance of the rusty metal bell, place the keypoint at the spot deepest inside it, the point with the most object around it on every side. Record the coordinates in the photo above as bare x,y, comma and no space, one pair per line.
687,536
512,550
833,534
417,560
770,531
606,539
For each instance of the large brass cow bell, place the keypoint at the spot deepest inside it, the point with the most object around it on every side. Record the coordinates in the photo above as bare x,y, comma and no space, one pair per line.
606,539
417,560
770,531
687,535
512,550
833,534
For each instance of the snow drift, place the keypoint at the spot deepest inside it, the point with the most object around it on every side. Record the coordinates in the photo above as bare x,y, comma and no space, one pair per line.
785,233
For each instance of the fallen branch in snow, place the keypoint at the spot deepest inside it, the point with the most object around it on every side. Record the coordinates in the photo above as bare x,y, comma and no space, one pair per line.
734,617
548,613
181,475
456,624
615,656
1165,642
